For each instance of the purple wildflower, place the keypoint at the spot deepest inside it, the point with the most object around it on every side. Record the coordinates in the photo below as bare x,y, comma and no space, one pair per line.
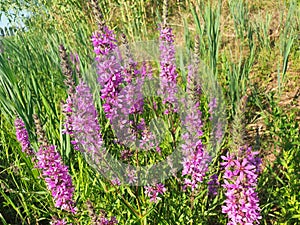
105,221
108,68
131,175
22,136
193,86
213,185
99,219
110,78
85,124
195,164
153,191
67,107
104,42
146,70
67,110
212,105
116,181
195,158
168,74
240,182
56,221
57,177
131,98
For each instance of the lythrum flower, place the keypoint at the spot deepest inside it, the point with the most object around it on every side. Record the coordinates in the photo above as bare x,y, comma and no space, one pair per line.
240,182
86,129
22,136
108,68
57,177
168,74
195,157
153,191
99,219
56,221
213,185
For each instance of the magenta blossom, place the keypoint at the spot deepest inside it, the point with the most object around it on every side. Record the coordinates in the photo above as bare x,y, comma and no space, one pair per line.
56,221
153,191
240,182
22,136
168,74
85,126
57,177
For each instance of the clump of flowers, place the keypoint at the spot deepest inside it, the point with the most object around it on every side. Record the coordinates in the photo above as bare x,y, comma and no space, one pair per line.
67,106
153,191
195,163
85,126
240,182
168,74
108,68
131,175
213,185
99,219
22,136
57,177
195,157
56,221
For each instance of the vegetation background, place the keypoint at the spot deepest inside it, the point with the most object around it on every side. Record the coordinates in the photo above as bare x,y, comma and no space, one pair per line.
252,47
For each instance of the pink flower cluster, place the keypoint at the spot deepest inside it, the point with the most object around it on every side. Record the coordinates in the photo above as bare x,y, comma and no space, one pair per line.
85,125
59,222
195,164
104,42
108,68
240,182
195,158
153,191
22,136
105,221
168,74
57,177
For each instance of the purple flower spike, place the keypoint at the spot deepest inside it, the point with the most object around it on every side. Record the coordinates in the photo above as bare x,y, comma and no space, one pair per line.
57,177
195,165
153,191
104,42
212,105
195,157
168,74
213,185
59,222
105,221
22,136
86,128
109,69
240,182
